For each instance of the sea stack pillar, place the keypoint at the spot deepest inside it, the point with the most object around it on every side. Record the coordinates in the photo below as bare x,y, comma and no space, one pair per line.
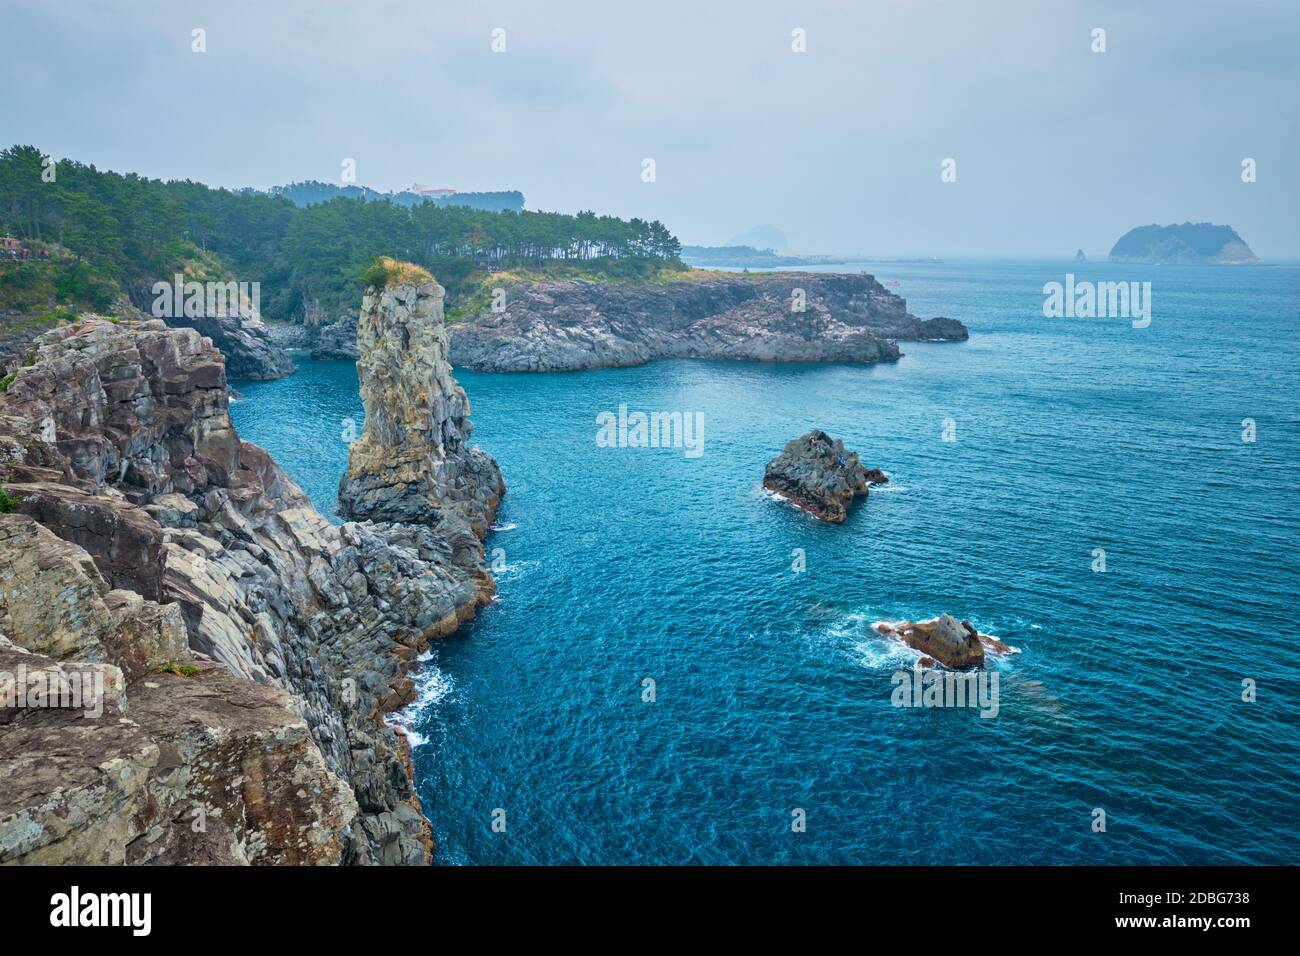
413,463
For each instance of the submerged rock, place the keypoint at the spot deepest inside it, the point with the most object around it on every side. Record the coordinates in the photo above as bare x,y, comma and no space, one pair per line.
817,474
413,463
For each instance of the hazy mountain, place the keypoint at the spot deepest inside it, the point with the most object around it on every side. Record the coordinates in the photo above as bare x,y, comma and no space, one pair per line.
762,237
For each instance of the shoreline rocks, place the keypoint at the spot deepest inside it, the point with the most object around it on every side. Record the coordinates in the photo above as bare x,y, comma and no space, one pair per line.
413,463
815,473
569,324
337,340
251,648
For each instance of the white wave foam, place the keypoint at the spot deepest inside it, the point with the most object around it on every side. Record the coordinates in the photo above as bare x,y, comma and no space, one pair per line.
432,687
515,568
854,634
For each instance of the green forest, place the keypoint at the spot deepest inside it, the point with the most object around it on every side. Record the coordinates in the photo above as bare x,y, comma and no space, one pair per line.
116,232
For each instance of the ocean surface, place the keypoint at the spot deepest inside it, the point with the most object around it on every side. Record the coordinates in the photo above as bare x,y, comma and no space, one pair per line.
772,695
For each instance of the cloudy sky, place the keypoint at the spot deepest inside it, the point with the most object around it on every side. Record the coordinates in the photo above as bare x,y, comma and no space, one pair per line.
1057,146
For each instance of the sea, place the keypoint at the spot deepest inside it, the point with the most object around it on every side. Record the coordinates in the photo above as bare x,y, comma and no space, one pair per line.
681,669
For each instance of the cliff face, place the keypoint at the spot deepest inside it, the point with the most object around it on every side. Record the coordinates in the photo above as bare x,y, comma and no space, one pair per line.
245,340
570,324
235,327
413,463
248,649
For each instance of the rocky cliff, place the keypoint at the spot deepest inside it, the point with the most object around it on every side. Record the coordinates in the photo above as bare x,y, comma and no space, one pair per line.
247,650
413,462
251,347
245,340
565,324
336,340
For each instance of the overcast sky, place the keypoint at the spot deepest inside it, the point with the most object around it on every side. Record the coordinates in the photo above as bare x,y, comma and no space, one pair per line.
1057,147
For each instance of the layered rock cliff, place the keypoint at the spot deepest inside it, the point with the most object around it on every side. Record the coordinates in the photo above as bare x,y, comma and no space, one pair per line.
247,648
566,324
413,462
246,341
252,349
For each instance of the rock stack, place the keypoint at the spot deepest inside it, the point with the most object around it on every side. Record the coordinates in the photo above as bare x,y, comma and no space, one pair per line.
413,463
817,474
953,643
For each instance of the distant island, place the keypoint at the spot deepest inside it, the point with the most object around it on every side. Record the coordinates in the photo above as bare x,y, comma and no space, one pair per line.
1200,243
762,237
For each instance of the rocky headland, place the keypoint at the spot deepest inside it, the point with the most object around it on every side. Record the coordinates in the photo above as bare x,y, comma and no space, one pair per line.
246,650
335,340
413,462
567,324
815,473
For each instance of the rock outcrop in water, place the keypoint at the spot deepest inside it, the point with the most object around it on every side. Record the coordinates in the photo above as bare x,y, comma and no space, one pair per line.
953,643
566,324
817,474
413,462
246,649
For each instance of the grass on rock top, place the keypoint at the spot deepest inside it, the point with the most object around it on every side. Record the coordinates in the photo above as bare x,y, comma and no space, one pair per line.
387,272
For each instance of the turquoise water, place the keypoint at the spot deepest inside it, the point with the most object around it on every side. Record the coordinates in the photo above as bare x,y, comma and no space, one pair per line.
772,693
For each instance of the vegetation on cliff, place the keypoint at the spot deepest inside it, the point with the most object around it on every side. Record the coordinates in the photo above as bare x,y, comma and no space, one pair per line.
385,271
124,232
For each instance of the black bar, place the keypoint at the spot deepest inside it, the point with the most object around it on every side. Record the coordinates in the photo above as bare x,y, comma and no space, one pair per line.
215,905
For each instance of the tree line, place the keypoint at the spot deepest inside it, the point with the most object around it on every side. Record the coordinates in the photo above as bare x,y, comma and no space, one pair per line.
314,191
131,230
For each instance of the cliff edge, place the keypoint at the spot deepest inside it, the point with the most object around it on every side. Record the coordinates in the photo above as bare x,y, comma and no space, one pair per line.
247,650
567,324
